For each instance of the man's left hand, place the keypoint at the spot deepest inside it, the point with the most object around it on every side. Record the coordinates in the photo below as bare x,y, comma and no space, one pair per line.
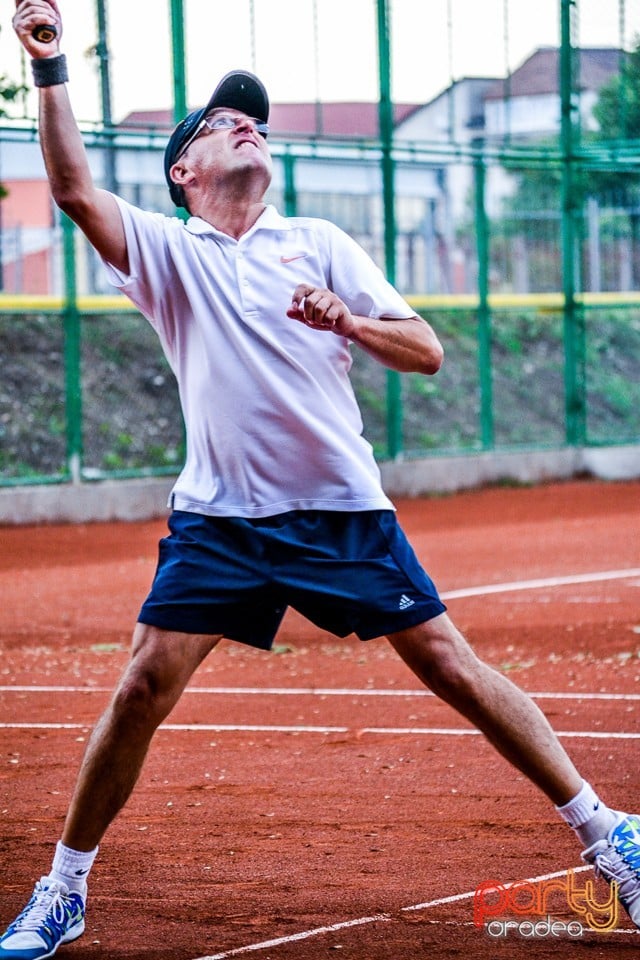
322,310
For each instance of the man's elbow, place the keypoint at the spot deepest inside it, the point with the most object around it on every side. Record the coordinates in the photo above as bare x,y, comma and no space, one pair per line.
430,353
69,201
78,206
432,359
72,195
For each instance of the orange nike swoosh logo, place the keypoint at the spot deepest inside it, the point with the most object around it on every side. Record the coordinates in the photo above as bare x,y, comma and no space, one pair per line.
298,256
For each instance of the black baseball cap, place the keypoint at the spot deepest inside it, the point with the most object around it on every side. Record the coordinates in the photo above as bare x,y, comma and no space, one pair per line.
239,90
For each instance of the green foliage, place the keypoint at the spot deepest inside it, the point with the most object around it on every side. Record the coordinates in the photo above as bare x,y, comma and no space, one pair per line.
9,93
617,110
603,200
131,416
538,186
617,113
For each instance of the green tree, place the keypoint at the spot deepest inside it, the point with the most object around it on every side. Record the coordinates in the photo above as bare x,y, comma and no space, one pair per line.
9,93
615,186
617,110
617,113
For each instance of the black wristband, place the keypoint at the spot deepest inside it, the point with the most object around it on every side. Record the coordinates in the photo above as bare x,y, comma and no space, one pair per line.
50,72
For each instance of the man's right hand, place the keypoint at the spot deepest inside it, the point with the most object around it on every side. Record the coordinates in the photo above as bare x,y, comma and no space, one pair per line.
31,14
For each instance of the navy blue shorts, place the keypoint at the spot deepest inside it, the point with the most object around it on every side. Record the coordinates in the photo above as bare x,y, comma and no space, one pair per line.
346,572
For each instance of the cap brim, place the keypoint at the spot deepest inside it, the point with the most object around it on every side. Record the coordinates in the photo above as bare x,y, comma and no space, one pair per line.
241,90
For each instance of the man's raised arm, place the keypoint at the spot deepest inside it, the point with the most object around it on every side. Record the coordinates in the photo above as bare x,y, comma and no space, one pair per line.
72,187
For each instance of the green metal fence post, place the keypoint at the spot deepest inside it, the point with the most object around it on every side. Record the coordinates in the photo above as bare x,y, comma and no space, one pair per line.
179,70
102,51
574,331
179,93
290,195
485,377
72,360
178,55
385,115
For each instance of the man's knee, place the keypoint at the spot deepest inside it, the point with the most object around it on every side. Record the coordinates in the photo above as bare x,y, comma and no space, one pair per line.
141,696
438,653
160,666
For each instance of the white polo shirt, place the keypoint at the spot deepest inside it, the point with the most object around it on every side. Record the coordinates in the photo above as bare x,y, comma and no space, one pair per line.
272,423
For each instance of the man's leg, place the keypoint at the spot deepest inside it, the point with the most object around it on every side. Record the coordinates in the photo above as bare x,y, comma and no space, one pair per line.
440,656
160,667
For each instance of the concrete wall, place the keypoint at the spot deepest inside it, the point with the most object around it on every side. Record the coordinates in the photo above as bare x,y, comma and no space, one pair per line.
448,474
146,499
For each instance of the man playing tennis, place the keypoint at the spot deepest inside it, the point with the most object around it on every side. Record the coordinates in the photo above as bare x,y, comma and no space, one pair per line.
279,503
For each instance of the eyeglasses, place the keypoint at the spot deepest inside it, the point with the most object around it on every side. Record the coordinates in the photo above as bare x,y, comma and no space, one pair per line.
224,121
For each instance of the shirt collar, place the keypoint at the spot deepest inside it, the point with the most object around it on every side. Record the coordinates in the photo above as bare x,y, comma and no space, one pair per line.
269,219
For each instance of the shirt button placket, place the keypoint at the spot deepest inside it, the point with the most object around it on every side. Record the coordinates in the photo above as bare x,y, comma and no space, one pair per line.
244,286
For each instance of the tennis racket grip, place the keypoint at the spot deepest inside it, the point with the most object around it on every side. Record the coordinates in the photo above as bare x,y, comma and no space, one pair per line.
45,32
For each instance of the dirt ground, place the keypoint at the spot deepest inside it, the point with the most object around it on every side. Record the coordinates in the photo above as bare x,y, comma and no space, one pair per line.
316,799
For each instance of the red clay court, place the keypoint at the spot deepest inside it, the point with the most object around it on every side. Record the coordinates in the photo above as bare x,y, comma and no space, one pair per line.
316,801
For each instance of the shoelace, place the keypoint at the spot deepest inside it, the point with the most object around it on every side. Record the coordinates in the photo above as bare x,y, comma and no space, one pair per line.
622,864
46,902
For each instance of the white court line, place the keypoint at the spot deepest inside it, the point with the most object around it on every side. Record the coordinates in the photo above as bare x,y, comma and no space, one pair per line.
356,731
304,935
537,584
467,896
455,732
378,918
314,692
191,727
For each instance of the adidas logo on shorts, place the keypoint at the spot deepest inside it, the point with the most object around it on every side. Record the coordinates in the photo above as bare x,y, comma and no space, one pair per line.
405,602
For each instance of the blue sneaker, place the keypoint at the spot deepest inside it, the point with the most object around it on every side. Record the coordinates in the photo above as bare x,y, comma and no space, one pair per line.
54,915
618,858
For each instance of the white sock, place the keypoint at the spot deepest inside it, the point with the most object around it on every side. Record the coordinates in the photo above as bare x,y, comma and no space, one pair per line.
72,867
588,815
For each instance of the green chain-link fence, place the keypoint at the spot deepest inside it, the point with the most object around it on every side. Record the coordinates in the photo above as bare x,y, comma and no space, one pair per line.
524,253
